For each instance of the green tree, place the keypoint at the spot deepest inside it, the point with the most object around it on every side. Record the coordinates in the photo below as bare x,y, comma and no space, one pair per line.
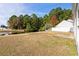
46,22
26,19
29,28
20,22
34,22
12,22
46,19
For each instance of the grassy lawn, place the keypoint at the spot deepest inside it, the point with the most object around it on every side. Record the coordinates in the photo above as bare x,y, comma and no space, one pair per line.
41,43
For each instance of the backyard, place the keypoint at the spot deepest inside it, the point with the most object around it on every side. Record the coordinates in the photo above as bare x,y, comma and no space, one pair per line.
38,43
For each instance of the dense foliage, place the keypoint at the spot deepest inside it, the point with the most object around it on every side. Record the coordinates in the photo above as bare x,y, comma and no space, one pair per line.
34,23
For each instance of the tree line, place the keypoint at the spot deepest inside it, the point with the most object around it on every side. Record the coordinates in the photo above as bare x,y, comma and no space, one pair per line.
34,23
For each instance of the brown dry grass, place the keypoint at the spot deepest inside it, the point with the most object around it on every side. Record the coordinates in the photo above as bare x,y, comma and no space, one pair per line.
41,43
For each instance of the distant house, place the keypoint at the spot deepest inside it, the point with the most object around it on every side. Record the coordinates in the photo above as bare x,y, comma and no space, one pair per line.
3,27
64,26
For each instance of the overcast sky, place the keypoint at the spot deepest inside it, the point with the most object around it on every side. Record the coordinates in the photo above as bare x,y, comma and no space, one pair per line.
7,10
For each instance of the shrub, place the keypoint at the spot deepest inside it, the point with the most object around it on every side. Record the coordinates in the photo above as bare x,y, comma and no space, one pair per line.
42,28
48,26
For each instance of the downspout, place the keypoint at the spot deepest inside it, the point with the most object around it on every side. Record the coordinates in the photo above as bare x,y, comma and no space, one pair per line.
75,18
